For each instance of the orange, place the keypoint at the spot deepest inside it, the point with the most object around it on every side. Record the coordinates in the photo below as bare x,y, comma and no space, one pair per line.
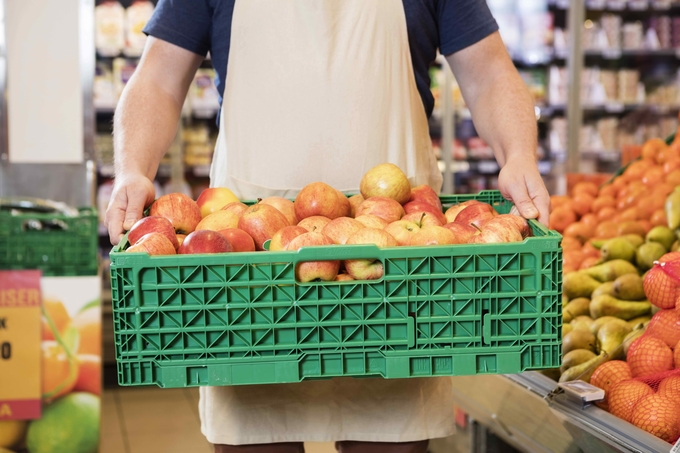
587,187
670,387
589,250
606,230
676,355
60,318
89,374
59,373
589,261
608,374
558,200
630,227
590,219
606,213
662,190
635,171
653,176
645,207
658,415
646,224
571,243
648,356
624,395
651,149
581,203
89,326
672,164
665,325
561,217
580,231
659,218
673,178
629,214
603,201
568,269
572,259
608,191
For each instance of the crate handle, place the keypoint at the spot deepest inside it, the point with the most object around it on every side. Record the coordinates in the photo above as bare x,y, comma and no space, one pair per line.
486,327
338,252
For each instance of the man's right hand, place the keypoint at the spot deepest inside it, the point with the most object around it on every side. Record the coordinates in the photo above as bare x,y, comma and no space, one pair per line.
131,195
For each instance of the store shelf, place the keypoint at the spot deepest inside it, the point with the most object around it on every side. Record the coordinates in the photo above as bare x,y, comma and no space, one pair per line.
617,54
486,167
620,5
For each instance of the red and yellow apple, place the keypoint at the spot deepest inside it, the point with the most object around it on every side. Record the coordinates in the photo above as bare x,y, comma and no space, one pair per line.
461,231
314,223
153,244
386,180
180,239
284,205
282,238
402,231
152,224
433,235
261,222
427,195
386,208
420,206
205,241
423,219
236,207
453,211
214,199
519,221
340,229
179,209
369,268
342,277
493,231
239,239
354,202
218,220
310,271
371,221
320,199
476,214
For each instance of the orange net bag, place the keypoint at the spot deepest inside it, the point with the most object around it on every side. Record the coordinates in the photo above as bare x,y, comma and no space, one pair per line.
662,282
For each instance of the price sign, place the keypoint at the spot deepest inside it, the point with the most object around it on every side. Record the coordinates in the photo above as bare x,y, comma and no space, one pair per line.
20,336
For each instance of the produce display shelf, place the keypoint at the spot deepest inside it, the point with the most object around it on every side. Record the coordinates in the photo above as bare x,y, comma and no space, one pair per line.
241,318
56,244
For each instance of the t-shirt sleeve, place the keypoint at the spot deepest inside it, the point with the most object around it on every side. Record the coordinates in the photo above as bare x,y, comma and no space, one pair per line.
463,23
184,23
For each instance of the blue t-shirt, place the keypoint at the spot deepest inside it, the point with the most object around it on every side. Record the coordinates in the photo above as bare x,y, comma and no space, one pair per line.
448,25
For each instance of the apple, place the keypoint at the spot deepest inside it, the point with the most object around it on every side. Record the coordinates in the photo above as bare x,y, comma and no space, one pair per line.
423,219
383,207
386,180
461,231
344,278
314,223
153,244
261,222
152,224
180,239
354,202
282,238
218,220
239,239
314,270
205,241
402,230
179,209
494,232
284,205
433,235
214,199
476,214
453,211
421,206
320,199
519,221
370,268
340,229
427,195
236,207
371,221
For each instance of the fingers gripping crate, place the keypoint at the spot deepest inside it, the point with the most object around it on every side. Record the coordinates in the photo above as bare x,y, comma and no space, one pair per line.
234,319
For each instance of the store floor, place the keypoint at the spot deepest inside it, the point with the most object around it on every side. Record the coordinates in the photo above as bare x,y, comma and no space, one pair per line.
153,420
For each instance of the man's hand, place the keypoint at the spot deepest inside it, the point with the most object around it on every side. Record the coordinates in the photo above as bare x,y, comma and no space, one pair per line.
131,195
521,183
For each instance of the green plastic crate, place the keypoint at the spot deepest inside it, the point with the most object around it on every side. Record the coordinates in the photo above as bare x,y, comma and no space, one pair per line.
233,319
69,251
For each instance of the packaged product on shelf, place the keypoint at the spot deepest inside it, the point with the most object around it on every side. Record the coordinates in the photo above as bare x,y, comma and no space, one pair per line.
203,94
136,17
607,130
557,135
104,92
122,72
633,36
629,86
610,83
557,85
611,25
109,23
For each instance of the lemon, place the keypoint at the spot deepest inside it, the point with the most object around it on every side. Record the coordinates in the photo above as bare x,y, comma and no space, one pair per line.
11,432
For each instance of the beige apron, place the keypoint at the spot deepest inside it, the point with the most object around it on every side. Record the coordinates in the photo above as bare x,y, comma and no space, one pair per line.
322,90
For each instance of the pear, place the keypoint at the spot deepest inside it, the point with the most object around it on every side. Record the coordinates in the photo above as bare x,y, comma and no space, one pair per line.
611,306
599,322
584,370
582,323
566,328
635,239
598,243
604,288
628,287
640,320
578,284
675,246
610,271
577,307
663,235
565,300
672,208
655,310
575,357
611,336
648,253
618,249
578,339
631,337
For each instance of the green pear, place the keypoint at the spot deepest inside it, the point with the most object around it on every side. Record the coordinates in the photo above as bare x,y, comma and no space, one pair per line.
582,323
618,249
628,287
577,307
599,322
640,320
611,336
655,310
575,357
584,370
610,271
604,288
578,284
566,328
663,235
648,253
635,239
611,306
578,339
675,246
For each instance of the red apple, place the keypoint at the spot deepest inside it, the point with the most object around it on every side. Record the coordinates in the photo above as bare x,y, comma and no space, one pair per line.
341,228
344,278
461,231
494,232
236,207
421,206
152,224
423,219
180,239
284,205
180,210
427,195
402,230
205,241
433,235
383,207
219,220
261,222
386,180
453,211
371,221
320,199
282,238
314,270
214,199
370,268
519,221
476,214
153,244
354,202
239,239
314,223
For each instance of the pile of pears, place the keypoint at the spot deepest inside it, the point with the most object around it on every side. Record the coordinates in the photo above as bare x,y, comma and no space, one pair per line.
604,307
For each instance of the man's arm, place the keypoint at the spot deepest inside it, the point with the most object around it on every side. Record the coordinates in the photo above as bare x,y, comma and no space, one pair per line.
503,113
144,126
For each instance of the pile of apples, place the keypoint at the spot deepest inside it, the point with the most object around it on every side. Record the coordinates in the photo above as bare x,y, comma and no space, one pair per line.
387,213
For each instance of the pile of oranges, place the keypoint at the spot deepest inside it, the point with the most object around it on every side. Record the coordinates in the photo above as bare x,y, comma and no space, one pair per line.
633,203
